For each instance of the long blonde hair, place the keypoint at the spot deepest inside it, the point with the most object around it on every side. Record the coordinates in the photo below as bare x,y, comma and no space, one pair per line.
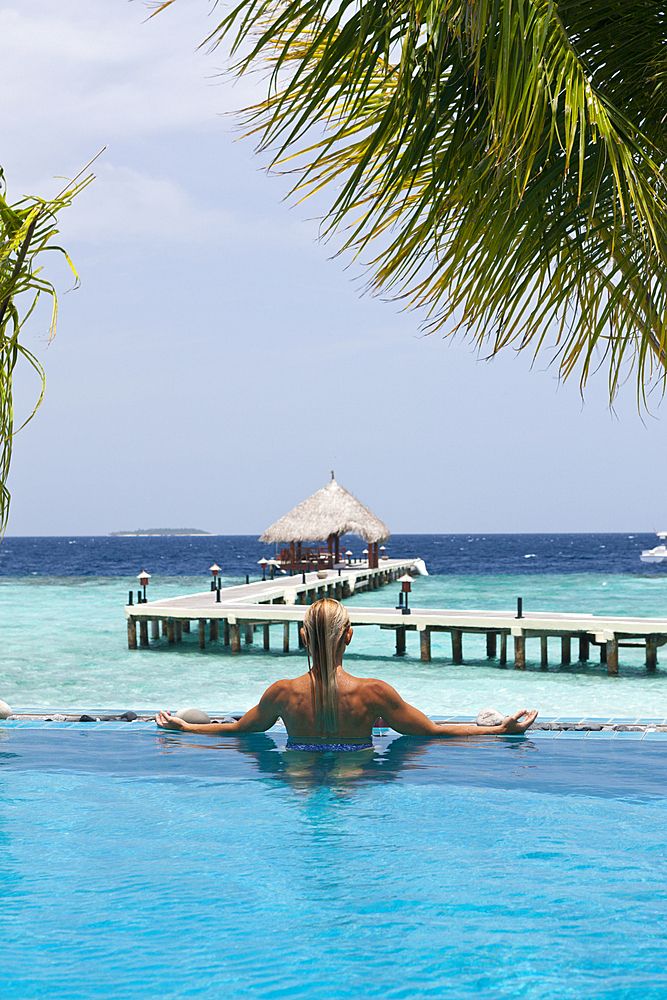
326,623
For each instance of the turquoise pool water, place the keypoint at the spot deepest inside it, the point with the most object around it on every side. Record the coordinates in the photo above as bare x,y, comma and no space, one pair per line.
139,864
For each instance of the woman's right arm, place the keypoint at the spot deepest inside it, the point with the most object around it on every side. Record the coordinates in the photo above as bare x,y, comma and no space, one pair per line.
256,720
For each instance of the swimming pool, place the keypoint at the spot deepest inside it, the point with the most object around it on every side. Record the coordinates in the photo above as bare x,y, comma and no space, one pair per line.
137,863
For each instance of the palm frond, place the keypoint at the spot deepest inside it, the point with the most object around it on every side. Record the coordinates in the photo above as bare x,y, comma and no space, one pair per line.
27,231
498,164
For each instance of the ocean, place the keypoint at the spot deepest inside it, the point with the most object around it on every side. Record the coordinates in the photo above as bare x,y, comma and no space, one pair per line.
64,640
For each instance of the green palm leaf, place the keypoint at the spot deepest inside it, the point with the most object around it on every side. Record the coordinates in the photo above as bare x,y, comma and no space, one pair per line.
27,230
496,163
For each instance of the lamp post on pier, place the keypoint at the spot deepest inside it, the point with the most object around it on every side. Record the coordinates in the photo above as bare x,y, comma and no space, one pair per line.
406,583
143,579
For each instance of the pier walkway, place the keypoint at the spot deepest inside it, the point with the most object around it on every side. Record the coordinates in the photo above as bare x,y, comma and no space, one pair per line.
282,601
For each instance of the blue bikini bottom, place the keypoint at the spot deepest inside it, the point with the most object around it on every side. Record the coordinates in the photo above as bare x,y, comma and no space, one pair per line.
327,747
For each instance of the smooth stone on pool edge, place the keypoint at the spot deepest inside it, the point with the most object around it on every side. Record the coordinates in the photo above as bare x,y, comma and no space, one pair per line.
193,715
490,717
5,710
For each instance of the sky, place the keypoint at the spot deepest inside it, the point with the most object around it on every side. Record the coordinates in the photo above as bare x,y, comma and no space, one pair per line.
217,360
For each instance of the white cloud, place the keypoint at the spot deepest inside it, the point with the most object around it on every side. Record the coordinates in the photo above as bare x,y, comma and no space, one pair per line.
91,73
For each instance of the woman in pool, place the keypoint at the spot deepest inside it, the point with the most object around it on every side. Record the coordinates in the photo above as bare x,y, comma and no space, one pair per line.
329,709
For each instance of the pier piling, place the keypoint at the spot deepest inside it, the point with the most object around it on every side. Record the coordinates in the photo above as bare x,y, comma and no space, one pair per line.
425,645
519,652
565,650
612,657
131,633
457,645
202,633
400,640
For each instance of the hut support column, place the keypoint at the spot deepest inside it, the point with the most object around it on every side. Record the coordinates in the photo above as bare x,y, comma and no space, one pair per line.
425,645
544,652
519,652
235,637
457,645
131,633
612,657
651,653
400,640
491,638
202,633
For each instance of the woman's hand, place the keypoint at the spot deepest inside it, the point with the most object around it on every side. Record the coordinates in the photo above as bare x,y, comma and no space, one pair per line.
513,726
167,721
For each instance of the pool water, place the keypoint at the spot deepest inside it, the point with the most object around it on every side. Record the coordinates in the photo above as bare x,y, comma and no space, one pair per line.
137,863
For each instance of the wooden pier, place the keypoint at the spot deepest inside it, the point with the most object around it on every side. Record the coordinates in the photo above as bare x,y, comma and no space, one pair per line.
234,614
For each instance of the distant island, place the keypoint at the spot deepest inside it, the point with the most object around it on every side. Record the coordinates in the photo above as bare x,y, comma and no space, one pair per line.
162,531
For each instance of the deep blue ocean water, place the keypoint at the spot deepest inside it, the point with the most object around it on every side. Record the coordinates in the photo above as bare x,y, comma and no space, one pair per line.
237,555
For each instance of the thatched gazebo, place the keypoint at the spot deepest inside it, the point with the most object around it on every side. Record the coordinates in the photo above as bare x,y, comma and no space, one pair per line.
324,517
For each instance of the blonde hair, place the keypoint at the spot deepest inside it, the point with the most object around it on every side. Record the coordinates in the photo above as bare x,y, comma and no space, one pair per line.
326,623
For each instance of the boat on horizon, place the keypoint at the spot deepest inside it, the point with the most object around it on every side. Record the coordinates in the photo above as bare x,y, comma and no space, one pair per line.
658,553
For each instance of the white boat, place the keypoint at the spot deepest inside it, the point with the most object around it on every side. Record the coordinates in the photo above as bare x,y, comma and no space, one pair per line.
657,554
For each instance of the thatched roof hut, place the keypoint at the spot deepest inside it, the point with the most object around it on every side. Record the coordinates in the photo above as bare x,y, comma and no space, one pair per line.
330,512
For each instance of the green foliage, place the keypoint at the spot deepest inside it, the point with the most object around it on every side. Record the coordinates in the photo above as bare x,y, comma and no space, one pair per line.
27,229
497,163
